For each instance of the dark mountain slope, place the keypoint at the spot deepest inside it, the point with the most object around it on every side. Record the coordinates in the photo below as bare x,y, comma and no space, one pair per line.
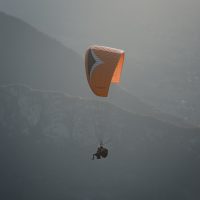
30,57
47,140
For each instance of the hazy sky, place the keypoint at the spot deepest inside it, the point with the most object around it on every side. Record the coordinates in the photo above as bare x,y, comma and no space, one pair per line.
112,22
154,33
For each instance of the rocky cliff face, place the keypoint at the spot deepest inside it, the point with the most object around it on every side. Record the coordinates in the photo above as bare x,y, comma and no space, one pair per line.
27,112
47,138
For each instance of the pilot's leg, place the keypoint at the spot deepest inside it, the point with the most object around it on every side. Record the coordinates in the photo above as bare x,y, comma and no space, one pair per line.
93,156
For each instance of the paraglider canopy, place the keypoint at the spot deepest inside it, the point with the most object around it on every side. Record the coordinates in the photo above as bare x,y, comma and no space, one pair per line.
103,66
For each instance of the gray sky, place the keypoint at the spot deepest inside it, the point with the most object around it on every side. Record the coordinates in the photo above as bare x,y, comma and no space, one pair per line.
113,22
156,34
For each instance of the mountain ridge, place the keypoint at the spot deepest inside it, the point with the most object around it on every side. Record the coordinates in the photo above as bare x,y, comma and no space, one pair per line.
49,139
30,57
